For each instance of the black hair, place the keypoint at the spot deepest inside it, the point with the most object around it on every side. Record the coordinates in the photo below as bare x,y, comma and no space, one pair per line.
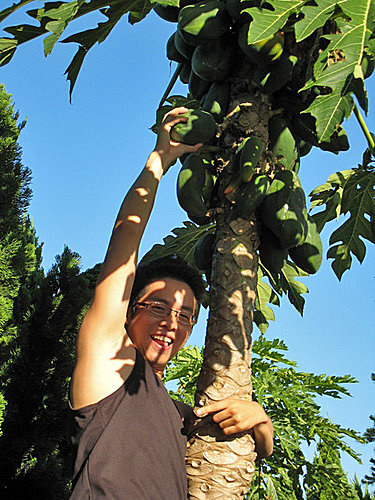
171,266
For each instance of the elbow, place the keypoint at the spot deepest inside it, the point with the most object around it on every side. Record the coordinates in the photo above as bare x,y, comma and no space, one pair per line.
264,451
264,439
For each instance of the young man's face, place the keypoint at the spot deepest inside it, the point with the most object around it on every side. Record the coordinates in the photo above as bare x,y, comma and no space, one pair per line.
157,338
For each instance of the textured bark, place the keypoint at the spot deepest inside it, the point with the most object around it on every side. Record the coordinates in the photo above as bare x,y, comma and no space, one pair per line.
220,467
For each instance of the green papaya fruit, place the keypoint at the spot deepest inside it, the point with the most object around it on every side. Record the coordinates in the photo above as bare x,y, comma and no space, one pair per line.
250,150
197,86
203,252
185,72
190,181
283,210
172,53
272,256
273,77
282,142
213,61
183,48
251,195
266,51
216,100
203,21
167,12
308,256
200,127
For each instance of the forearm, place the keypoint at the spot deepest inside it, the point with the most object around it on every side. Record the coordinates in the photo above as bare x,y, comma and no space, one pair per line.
236,415
133,216
263,435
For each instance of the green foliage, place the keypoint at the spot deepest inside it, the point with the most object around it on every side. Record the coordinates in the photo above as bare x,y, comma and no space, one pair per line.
356,23
19,249
35,448
370,436
185,367
349,191
362,494
182,244
289,397
327,479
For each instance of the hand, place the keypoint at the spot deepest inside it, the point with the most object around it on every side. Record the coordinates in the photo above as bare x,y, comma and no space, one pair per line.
168,149
235,415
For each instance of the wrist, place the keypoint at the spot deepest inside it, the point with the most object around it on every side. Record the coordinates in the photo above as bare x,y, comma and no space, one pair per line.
157,164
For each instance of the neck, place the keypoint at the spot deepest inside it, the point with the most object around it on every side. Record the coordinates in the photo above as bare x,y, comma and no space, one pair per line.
158,372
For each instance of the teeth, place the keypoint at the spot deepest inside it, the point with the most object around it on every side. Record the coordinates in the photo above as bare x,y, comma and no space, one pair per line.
163,339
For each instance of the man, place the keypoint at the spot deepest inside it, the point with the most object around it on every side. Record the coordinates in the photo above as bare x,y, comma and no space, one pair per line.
131,439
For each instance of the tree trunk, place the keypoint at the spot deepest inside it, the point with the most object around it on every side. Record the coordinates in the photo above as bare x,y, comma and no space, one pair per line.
219,466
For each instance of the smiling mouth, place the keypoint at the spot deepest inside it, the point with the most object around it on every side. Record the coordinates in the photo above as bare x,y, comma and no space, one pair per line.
162,341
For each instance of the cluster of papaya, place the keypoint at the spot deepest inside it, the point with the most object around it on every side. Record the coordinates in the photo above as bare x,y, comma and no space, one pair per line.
287,228
210,35
195,186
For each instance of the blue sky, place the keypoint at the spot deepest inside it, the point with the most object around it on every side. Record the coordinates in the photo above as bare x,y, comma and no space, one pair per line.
85,155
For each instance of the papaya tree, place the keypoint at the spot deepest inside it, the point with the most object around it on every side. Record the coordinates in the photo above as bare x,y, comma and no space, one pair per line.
267,82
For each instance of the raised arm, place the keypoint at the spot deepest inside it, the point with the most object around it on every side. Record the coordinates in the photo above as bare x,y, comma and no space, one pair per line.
105,355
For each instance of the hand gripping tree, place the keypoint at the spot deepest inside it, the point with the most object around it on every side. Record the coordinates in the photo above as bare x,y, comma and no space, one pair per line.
268,80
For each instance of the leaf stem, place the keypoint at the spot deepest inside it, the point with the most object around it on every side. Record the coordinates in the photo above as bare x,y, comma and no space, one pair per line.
364,128
171,84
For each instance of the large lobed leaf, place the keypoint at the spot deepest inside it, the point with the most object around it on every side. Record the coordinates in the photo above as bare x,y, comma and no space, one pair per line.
263,314
356,25
283,283
182,244
266,21
349,192
12,8
55,17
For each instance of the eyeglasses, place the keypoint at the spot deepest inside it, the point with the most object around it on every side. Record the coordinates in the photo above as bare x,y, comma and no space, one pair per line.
163,311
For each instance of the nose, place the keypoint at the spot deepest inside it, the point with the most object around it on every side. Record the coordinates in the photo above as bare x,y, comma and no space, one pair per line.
171,320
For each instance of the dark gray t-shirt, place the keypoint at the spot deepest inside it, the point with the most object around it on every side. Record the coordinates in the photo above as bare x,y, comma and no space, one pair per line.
131,445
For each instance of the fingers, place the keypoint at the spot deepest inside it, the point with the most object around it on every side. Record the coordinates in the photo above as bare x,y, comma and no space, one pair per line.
168,149
173,117
211,408
234,415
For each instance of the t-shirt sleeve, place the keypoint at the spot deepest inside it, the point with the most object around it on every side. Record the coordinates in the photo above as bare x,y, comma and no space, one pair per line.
88,422
187,415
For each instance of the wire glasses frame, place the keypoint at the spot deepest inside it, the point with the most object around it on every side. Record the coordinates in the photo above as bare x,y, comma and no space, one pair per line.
163,311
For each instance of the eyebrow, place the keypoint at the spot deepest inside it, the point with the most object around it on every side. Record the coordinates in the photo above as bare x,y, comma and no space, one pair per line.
163,301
